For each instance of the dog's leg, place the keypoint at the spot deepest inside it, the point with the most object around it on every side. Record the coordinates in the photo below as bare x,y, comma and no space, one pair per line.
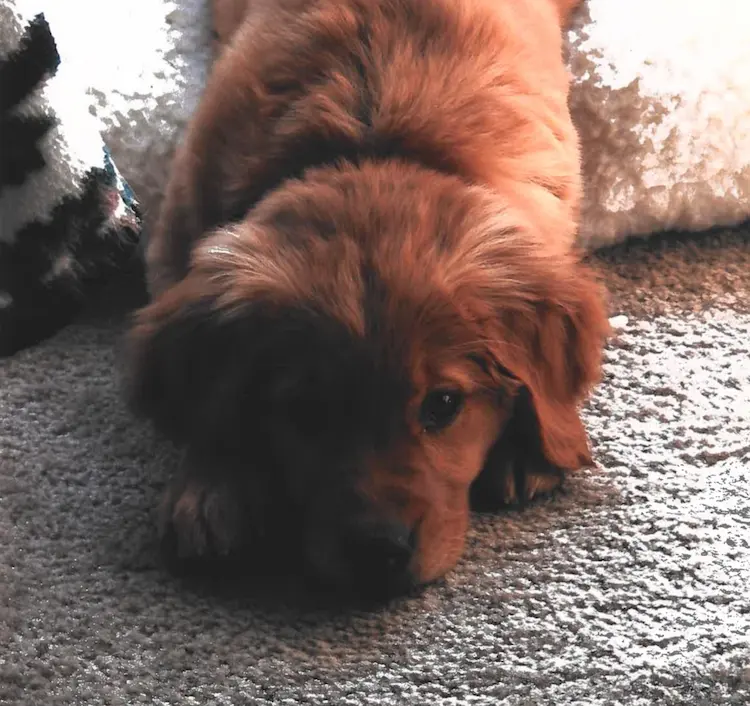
516,470
206,514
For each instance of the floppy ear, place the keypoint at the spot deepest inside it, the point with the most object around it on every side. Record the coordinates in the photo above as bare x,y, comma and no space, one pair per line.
184,360
555,351
205,356
198,357
551,344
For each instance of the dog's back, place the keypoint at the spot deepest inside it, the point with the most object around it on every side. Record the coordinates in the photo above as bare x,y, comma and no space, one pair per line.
472,87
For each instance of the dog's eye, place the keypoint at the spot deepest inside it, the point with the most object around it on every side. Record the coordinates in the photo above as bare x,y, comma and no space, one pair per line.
440,409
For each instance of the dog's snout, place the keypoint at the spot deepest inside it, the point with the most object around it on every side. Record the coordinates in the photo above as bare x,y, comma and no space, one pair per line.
381,557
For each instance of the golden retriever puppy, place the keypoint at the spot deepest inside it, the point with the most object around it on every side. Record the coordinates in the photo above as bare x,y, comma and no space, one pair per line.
367,309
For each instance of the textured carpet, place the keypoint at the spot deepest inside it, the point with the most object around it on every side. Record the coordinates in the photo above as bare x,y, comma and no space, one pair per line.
630,589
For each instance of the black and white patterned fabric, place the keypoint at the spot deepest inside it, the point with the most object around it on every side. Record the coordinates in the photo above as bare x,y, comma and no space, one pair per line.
68,220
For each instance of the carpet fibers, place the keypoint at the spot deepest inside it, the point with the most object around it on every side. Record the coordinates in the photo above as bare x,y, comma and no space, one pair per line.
631,588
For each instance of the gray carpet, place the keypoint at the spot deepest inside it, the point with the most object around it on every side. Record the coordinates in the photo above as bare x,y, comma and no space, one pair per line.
633,588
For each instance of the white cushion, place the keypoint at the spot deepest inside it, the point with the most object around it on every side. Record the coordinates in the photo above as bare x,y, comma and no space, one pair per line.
661,98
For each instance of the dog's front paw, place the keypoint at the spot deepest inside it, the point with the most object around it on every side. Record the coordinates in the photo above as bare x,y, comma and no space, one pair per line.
200,520
514,476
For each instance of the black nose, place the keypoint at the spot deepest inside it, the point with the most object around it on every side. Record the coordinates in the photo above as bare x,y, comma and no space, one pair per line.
380,557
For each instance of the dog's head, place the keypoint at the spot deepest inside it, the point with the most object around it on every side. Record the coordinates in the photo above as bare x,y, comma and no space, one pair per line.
360,340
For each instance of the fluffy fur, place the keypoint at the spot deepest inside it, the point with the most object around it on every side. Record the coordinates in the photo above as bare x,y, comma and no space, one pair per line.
369,227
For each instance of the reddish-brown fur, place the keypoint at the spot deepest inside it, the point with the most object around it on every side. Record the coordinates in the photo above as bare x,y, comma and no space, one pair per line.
375,199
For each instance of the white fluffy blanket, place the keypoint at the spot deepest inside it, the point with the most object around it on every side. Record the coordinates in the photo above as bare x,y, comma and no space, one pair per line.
661,97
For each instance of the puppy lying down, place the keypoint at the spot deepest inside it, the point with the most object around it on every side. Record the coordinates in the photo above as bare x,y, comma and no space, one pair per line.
368,314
